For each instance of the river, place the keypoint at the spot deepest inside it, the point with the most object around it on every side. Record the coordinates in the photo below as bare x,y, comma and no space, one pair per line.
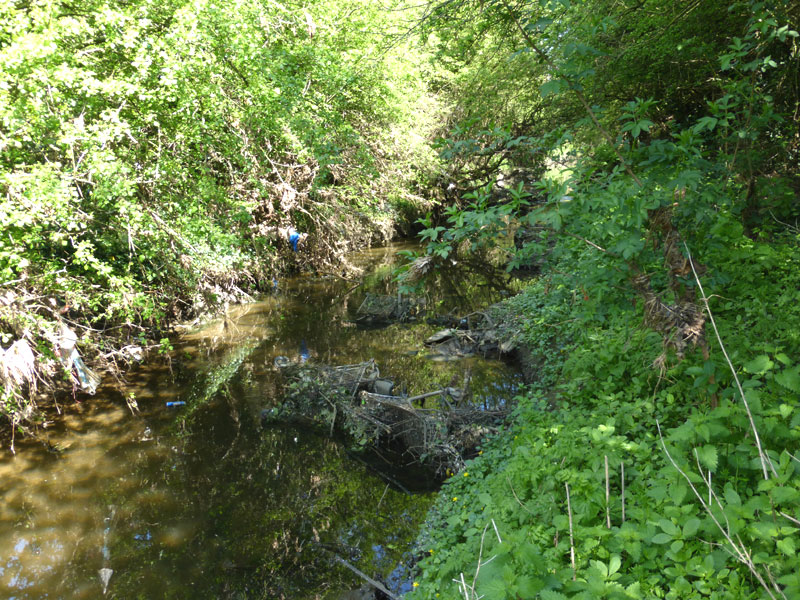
165,485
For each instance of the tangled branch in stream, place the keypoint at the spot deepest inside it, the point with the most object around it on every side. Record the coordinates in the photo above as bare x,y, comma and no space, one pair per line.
355,401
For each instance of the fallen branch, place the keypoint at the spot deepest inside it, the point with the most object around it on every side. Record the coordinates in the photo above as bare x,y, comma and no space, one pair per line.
376,584
765,461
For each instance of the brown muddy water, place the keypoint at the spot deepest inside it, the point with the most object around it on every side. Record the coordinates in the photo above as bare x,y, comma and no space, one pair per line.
196,500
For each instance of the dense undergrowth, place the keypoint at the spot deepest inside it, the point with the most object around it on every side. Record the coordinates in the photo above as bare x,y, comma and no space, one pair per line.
155,158
633,152
597,397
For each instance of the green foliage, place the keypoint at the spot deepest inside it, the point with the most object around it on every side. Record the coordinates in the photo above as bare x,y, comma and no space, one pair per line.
714,144
149,151
594,400
691,163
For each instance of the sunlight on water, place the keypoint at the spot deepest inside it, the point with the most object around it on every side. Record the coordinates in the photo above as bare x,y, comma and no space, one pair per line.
195,500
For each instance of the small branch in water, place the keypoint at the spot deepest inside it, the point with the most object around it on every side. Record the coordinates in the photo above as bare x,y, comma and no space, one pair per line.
376,584
353,289
378,508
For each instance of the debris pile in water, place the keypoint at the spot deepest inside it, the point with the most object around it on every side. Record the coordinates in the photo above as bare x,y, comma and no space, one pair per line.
474,334
356,401
382,310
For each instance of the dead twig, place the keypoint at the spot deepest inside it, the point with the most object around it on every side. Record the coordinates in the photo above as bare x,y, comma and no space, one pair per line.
571,537
762,455
376,584
522,505
608,497
622,479
737,548
469,590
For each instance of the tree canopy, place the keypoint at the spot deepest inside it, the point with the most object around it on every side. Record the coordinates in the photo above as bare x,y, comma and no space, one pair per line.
154,155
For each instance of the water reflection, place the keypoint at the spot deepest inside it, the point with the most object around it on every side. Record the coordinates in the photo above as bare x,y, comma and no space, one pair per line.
189,497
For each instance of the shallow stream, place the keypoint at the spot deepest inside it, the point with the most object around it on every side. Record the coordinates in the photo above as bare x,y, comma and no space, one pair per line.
189,497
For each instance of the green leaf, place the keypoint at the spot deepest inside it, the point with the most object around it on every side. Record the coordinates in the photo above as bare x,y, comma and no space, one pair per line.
528,586
790,379
551,595
634,591
707,455
785,495
485,499
494,589
662,538
539,25
658,492
561,522
614,564
552,87
600,567
731,496
787,546
759,365
669,527
691,527
677,493
706,123
754,400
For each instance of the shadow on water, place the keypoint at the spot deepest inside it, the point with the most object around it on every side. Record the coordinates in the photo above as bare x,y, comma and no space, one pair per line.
196,500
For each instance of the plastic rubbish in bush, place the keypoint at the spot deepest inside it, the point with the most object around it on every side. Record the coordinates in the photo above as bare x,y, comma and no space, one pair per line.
175,403
294,238
17,366
67,352
304,353
281,362
105,577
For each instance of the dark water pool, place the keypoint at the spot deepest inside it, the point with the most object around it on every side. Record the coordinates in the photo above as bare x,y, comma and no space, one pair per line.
196,500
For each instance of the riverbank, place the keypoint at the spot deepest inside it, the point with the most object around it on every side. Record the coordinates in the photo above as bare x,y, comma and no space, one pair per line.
629,472
158,162
57,339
